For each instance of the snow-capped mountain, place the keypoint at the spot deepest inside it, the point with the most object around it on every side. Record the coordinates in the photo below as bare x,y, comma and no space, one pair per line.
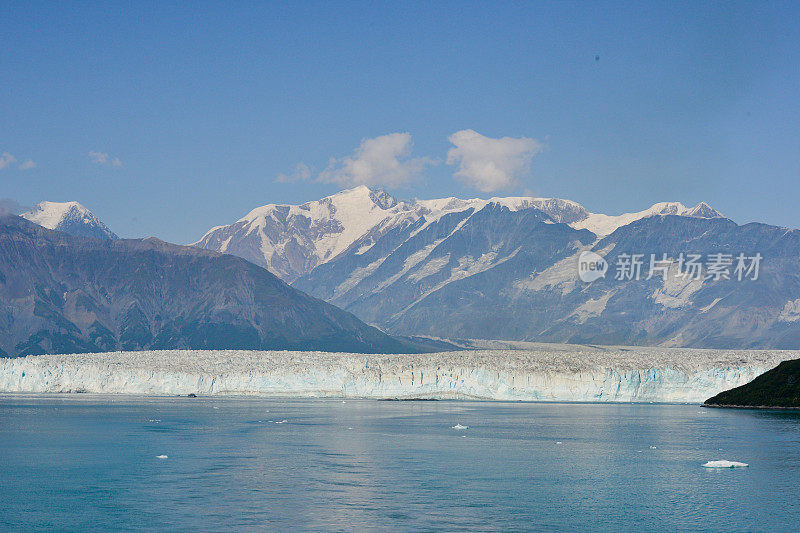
69,217
292,240
506,268
600,224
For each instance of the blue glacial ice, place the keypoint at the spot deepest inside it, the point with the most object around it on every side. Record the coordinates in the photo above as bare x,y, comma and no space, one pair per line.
541,373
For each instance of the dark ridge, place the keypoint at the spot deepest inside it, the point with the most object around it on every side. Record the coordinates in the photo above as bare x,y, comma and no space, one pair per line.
777,388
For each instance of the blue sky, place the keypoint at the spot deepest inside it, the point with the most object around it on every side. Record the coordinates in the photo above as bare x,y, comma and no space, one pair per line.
193,110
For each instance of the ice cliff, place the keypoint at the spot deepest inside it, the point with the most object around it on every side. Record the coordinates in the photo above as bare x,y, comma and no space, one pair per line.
543,372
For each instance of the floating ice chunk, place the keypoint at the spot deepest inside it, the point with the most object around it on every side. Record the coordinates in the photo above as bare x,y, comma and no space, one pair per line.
724,464
161,457
459,426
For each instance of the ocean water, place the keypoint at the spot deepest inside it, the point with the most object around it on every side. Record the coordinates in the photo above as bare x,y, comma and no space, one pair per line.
80,462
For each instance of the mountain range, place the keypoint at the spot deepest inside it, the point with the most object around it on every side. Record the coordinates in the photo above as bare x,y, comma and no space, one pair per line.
292,240
507,268
61,293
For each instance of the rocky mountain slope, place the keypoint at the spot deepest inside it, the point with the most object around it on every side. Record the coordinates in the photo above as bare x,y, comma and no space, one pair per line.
63,294
501,274
69,217
521,282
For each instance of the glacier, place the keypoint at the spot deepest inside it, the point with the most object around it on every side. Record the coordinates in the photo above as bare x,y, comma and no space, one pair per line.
538,373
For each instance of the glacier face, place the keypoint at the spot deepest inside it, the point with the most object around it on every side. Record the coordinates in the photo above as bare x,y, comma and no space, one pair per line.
540,373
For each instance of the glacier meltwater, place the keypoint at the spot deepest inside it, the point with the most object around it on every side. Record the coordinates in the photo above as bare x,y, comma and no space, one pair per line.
538,373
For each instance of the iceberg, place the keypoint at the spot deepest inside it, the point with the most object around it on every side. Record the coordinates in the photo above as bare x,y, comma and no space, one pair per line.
724,464
546,372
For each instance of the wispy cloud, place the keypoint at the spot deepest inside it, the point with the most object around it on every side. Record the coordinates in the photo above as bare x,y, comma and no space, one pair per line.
383,160
6,159
10,207
301,173
488,164
102,158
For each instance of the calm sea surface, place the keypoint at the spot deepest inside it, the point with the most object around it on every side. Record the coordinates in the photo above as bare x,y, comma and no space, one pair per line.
84,462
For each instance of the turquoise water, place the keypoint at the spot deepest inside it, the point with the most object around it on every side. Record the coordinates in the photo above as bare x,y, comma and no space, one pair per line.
90,462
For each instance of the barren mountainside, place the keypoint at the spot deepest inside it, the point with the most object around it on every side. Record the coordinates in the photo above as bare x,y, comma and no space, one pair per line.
63,294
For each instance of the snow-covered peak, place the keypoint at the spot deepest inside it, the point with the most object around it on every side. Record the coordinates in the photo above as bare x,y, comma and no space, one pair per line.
291,240
601,224
50,214
559,210
357,198
667,208
567,211
69,217
703,210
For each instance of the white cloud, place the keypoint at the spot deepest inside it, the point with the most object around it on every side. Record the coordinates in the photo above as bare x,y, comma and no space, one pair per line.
6,159
101,158
488,164
380,161
10,207
301,173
